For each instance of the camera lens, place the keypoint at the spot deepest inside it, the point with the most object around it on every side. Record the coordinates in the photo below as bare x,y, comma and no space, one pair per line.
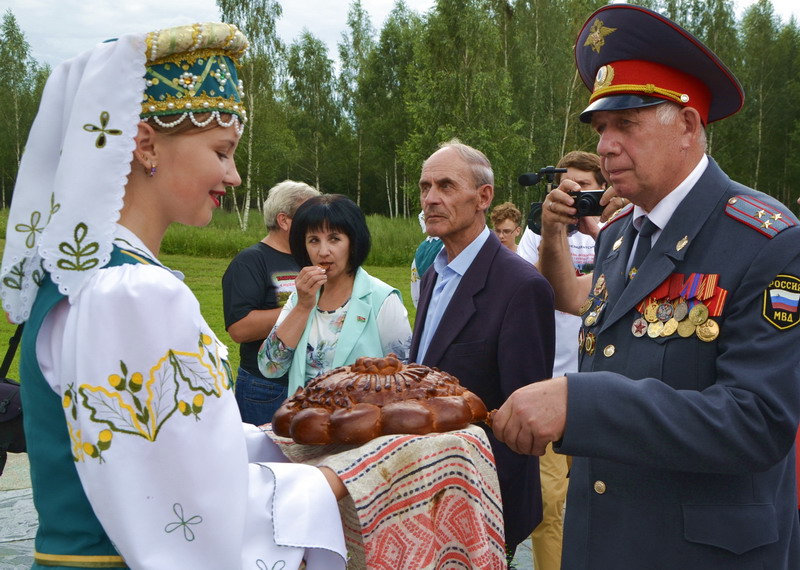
587,204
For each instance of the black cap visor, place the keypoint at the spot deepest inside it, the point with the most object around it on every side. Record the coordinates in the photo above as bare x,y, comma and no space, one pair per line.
619,103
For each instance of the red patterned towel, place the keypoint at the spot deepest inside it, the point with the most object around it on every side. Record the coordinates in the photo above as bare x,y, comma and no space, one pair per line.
416,502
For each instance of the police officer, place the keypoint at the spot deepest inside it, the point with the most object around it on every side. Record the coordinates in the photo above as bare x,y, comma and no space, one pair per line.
683,416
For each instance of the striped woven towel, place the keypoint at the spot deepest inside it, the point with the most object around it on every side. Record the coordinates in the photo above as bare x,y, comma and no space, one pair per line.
416,502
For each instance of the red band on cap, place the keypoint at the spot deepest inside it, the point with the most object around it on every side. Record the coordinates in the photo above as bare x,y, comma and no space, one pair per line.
652,79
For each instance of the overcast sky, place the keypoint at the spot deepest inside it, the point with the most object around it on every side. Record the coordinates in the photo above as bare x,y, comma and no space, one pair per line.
60,29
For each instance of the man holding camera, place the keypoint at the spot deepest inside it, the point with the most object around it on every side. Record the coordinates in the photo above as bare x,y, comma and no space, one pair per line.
683,417
582,168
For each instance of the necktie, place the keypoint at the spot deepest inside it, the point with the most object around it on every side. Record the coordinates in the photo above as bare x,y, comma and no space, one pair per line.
646,231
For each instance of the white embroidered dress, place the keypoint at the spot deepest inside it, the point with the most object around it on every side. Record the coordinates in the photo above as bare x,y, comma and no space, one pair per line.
174,476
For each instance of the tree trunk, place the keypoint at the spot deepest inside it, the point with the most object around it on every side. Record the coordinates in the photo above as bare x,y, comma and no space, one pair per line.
358,180
567,112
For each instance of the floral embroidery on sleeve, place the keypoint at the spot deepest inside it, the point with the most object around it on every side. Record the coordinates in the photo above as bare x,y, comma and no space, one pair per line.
130,403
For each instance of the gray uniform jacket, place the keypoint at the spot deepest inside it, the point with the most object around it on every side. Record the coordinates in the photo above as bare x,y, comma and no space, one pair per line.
683,447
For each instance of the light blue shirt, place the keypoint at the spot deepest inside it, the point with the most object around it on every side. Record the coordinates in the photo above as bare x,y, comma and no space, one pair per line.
448,277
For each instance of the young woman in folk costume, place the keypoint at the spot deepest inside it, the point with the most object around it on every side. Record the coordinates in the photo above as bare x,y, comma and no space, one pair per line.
138,455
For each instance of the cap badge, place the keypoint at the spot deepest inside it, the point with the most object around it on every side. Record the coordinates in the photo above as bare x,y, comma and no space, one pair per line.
597,35
604,77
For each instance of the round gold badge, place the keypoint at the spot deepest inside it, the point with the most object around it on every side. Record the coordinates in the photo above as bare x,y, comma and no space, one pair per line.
708,331
670,327
654,329
698,314
686,328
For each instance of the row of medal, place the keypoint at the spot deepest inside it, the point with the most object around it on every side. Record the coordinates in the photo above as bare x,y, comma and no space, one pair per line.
590,312
682,306
666,318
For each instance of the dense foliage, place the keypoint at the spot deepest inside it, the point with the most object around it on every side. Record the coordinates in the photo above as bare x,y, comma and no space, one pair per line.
497,74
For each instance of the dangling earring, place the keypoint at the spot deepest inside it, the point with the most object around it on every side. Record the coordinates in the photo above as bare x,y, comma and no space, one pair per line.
152,170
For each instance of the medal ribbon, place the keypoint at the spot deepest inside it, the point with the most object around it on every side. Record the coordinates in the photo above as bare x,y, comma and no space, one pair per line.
717,302
691,285
707,286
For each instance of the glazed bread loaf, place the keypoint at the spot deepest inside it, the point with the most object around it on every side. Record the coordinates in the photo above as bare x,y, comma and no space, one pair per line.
374,397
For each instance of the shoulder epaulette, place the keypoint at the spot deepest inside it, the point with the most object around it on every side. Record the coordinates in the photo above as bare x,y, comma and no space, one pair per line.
618,215
762,217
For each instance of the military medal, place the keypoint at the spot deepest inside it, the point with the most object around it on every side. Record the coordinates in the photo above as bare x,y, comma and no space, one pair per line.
698,314
686,328
588,344
681,311
664,311
654,329
600,286
651,313
586,306
617,244
590,319
670,327
639,327
708,330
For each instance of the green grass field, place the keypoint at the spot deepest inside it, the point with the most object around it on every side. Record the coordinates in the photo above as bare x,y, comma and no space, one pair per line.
205,253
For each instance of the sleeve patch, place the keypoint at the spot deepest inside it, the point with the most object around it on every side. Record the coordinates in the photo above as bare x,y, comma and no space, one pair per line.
781,301
762,217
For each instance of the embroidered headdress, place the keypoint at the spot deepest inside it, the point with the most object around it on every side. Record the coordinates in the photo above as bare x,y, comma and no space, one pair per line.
78,156
192,69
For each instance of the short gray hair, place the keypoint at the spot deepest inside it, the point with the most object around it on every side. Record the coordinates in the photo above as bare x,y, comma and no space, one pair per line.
285,197
667,113
482,172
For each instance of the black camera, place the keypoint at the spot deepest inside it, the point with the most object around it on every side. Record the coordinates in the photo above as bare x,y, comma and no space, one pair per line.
534,221
588,203
546,174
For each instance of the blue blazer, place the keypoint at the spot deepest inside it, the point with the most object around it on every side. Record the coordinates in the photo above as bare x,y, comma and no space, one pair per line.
684,449
497,335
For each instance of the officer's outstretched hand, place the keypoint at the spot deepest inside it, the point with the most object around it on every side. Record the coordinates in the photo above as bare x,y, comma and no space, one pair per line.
533,416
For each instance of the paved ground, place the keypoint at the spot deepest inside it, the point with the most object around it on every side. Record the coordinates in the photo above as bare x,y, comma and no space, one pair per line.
18,519
17,516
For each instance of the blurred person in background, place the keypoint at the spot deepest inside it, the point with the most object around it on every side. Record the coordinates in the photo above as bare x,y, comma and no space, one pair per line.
255,286
505,219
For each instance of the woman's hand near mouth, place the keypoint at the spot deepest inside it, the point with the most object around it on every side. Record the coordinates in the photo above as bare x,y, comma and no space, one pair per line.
310,279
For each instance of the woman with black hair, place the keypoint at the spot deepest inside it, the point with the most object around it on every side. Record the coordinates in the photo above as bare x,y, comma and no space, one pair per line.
339,312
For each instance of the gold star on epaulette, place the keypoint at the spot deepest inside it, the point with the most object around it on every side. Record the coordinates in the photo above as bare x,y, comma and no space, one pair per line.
766,224
761,214
597,35
777,216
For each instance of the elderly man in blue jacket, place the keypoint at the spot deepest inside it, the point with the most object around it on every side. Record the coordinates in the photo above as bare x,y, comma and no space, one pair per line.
682,418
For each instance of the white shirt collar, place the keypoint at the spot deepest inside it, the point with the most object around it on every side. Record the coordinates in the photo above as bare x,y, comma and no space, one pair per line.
663,211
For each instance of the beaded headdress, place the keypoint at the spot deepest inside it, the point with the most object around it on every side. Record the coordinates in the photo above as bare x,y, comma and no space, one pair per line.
72,176
191,70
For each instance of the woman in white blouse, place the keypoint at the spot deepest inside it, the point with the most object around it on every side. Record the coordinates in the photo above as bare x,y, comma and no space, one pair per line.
339,312
138,455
